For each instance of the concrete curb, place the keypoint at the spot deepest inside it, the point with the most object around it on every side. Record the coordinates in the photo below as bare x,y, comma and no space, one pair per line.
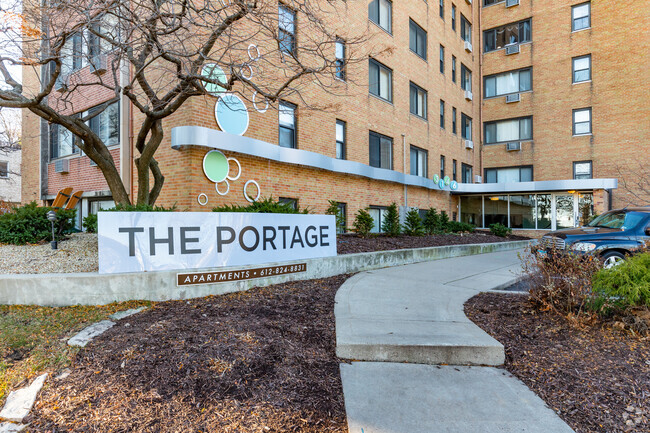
100,289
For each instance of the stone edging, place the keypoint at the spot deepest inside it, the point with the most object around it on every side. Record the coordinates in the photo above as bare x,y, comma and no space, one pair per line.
99,289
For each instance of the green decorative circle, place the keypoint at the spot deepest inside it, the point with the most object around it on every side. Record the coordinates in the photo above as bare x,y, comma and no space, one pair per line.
436,178
215,166
214,72
447,180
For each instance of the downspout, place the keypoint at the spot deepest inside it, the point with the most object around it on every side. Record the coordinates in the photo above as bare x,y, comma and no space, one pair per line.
404,168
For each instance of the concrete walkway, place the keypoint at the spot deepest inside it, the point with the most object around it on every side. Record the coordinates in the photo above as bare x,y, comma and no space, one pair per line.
435,373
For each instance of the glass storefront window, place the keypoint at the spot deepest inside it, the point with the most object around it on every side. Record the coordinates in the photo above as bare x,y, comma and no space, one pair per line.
564,214
522,211
471,210
585,208
496,210
543,212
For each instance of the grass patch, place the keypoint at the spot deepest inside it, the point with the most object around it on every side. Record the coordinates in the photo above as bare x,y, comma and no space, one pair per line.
33,339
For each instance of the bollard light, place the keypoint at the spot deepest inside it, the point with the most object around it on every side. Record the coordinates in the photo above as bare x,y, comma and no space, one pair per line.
51,215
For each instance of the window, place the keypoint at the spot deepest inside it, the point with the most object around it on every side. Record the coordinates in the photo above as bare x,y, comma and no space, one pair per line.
61,142
381,80
419,163
582,170
418,101
466,126
340,59
453,69
509,174
581,17
340,139
442,166
454,169
503,131
508,82
453,120
465,29
466,173
287,30
442,59
442,114
381,13
343,213
453,17
582,121
581,69
465,78
510,34
4,169
287,118
442,9
106,124
378,214
291,202
491,2
417,39
381,151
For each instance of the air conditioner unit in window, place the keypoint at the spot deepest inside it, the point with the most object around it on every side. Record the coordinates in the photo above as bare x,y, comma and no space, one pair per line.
511,3
468,95
512,49
478,179
62,165
513,146
469,144
468,46
515,97
98,64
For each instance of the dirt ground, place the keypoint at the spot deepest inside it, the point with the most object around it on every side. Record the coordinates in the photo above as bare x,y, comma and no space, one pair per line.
597,378
256,361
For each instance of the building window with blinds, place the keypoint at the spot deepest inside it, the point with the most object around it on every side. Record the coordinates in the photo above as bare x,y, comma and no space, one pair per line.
381,80
381,151
419,159
508,83
504,131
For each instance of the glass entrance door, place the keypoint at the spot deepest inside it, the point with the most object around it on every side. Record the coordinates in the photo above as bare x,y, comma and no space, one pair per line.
565,211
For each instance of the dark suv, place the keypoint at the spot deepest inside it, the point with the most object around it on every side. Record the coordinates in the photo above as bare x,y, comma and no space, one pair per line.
611,236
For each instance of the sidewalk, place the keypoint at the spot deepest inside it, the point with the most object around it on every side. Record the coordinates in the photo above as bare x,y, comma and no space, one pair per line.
436,374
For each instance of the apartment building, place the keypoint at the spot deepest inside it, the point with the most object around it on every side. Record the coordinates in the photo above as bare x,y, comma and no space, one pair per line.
461,106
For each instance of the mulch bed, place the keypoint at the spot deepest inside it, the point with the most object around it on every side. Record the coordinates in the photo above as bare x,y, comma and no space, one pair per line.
596,378
351,243
257,361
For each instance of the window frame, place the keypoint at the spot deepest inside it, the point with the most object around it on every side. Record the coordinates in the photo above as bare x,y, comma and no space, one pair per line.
443,164
496,122
494,76
442,59
573,20
453,69
465,72
573,118
382,211
463,118
293,51
417,89
343,212
293,202
420,153
340,63
464,22
454,124
520,167
294,129
380,137
453,17
442,114
4,172
574,70
519,31
591,169
388,30
341,145
454,167
464,170
442,9
415,29
379,65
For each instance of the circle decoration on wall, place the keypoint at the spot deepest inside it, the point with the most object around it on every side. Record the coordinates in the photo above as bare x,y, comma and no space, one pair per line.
253,48
238,173
256,106
447,180
259,191
436,178
202,199
231,114
214,72
441,183
216,188
453,185
215,166
246,71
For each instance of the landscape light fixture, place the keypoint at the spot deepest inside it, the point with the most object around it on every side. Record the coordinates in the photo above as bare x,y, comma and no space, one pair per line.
51,215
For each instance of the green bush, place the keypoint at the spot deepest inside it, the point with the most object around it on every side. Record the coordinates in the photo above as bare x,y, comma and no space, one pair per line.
432,222
457,227
335,210
140,208
363,223
90,223
499,229
444,220
29,224
413,223
391,225
623,286
267,205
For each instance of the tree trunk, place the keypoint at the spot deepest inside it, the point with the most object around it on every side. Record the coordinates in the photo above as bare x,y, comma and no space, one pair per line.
146,162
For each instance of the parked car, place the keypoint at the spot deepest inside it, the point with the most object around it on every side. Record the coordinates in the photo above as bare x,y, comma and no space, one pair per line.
612,236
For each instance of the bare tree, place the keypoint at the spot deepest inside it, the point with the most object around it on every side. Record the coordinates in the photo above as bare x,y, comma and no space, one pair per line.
635,181
153,53
9,129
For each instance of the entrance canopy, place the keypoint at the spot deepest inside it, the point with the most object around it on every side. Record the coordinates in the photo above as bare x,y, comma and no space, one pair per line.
537,186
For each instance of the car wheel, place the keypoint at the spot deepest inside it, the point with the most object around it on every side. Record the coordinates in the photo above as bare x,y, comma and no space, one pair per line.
612,259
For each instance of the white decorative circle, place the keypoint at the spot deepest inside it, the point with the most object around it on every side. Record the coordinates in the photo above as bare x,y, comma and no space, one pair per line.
259,191
245,67
216,187
238,173
260,110
257,52
202,203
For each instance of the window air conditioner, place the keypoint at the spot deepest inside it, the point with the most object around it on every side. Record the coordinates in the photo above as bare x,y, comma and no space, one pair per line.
62,165
469,144
478,179
512,49
513,146
515,97
511,3
468,95
468,46
98,65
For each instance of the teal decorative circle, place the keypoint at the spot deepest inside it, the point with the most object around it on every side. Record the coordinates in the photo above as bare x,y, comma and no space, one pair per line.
453,185
231,114
436,178
447,180
214,72
441,183
215,166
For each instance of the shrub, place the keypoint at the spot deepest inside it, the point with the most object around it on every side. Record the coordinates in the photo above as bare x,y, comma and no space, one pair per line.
335,210
457,227
391,225
267,205
431,221
140,208
363,223
623,286
499,229
413,223
444,220
29,224
90,223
